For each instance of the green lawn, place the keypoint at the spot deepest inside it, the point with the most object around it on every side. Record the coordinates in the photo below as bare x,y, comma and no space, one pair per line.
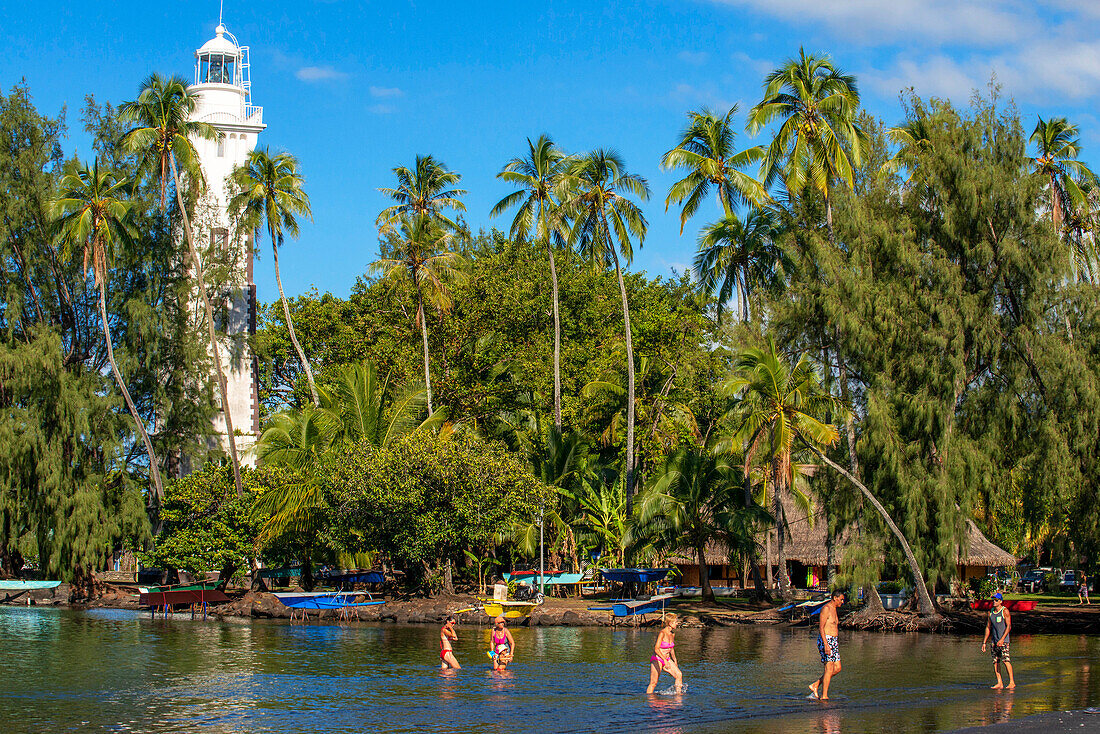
1060,597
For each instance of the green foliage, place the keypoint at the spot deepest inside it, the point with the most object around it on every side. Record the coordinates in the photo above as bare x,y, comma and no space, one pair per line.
206,526
424,499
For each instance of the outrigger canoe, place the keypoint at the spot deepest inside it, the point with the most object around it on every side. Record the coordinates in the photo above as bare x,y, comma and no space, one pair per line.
164,596
23,585
636,607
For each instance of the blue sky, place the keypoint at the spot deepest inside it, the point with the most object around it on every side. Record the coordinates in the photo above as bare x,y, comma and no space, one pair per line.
355,88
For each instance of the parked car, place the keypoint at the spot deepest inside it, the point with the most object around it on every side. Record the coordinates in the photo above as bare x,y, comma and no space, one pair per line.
1068,582
1034,579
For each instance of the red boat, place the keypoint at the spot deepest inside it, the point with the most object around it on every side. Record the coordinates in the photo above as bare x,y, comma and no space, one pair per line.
191,594
1012,605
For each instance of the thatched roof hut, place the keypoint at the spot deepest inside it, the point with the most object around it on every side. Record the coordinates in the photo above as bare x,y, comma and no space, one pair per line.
806,544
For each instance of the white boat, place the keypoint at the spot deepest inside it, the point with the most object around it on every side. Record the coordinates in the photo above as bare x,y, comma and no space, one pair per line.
22,585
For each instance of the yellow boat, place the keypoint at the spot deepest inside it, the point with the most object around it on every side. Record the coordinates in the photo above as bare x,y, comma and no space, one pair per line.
510,609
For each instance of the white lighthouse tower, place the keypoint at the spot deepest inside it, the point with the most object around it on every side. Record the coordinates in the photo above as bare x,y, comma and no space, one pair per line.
223,91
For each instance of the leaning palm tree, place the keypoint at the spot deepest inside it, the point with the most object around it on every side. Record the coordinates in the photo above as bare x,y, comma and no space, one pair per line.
706,150
270,191
92,212
777,412
538,176
605,221
738,257
161,136
421,257
1057,149
818,141
426,188
777,407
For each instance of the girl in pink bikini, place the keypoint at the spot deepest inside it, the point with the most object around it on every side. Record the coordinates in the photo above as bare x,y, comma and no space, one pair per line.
502,646
664,655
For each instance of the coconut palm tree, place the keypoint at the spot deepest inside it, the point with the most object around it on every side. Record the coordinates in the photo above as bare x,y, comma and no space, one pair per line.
818,141
92,211
1068,179
605,221
737,257
706,151
695,498
777,411
161,137
426,188
421,257
270,191
912,139
538,176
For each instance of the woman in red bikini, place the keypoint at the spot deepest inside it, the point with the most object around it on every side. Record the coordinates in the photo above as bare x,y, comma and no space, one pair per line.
664,655
447,634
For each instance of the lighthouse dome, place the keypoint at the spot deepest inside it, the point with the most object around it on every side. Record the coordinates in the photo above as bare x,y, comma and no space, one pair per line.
220,44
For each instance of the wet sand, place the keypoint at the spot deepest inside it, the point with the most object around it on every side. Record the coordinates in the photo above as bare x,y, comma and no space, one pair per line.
1055,722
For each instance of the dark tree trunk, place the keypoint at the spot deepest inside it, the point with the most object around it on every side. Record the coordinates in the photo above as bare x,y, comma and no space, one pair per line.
704,573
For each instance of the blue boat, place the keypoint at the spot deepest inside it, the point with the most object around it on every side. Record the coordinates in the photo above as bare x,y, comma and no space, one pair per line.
634,575
634,608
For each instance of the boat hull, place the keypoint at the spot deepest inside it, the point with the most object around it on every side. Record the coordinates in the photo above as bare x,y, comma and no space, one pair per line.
21,585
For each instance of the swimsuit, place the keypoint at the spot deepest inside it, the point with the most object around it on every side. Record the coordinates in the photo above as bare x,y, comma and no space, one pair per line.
660,660
833,654
998,625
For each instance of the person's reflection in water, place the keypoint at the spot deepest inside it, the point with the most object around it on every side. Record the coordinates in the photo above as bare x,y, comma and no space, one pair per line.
449,679
828,722
664,706
1002,708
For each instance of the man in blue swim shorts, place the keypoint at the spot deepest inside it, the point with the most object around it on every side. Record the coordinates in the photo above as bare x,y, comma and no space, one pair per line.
828,645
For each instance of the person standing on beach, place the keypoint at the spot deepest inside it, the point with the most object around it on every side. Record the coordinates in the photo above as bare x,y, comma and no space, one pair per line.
828,645
447,635
1083,591
998,626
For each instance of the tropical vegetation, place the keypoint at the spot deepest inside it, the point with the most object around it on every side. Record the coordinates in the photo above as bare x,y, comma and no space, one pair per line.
916,349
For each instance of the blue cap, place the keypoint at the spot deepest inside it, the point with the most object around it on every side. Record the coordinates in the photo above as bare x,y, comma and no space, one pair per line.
997,595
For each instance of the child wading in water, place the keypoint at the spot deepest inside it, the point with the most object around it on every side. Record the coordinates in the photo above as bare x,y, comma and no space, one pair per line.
664,655
502,646
447,634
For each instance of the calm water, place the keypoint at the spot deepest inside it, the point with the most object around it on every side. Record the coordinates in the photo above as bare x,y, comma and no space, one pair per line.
120,671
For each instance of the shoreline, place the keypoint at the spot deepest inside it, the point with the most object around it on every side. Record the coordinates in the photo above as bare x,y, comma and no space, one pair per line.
1086,721
573,612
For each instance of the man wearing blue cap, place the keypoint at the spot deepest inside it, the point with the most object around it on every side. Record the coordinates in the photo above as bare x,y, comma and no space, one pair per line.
999,625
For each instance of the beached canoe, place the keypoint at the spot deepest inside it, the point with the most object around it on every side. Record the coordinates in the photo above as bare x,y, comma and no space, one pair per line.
160,596
1012,605
510,609
23,585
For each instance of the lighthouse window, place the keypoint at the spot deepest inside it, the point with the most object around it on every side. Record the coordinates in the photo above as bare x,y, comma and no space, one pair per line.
217,68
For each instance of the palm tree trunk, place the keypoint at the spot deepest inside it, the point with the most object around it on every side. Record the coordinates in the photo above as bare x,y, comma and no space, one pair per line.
290,325
557,338
154,469
780,534
201,283
829,217
424,336
629,390
704,573
924,601
769,561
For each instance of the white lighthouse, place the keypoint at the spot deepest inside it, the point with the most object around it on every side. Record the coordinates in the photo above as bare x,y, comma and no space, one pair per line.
223,91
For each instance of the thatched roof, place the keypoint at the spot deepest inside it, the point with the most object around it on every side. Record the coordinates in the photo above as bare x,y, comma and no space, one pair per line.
981,551
806,534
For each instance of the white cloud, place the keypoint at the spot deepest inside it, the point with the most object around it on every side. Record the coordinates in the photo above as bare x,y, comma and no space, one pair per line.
759,67
937,76
695,58
879,22
684,94
386,92
319,73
